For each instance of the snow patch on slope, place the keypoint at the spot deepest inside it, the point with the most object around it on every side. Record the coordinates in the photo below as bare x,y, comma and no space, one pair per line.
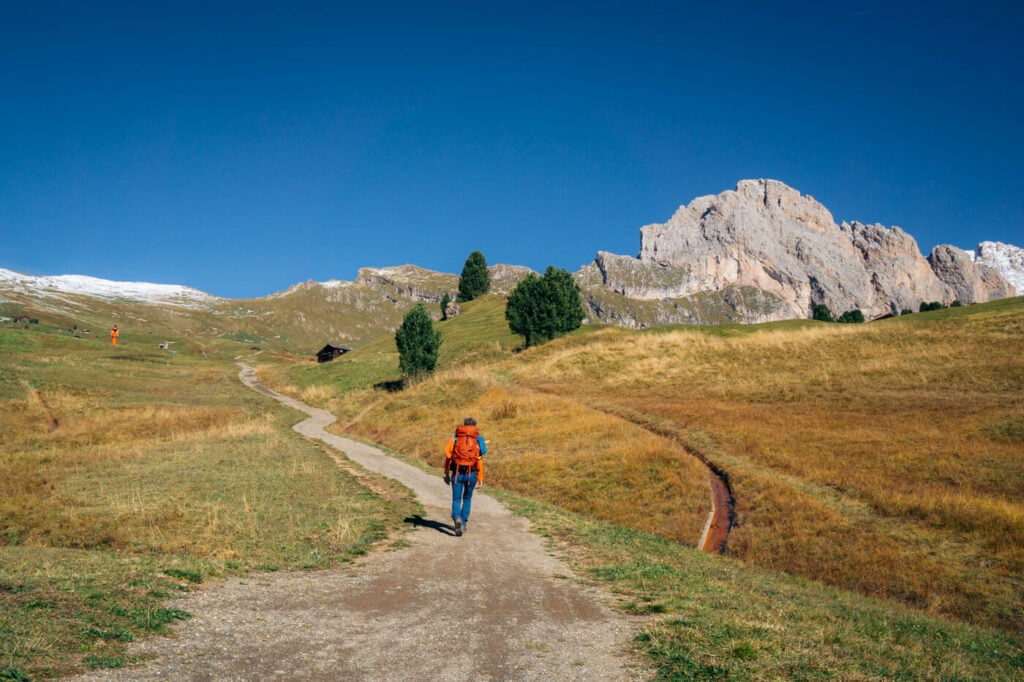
1006,259
103,288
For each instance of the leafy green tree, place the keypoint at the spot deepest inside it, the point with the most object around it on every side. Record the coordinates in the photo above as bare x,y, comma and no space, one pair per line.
542,308
822,313
445,300
934,305
475,280
418,342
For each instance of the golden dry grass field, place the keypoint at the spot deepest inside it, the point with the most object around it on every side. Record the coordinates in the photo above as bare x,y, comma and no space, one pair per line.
885,458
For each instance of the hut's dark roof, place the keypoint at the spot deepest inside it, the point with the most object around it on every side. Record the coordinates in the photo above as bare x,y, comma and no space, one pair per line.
331,347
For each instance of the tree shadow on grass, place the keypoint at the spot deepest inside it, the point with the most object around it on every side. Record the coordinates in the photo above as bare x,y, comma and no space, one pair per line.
391,386
418,521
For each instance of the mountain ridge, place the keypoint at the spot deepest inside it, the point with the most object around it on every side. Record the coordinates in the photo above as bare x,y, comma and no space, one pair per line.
761,252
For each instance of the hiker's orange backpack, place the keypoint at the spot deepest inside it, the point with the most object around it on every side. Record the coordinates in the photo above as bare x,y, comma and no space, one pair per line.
466,450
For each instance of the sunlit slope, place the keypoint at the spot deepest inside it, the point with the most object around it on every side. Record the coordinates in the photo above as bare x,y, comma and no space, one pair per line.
886,458
478,335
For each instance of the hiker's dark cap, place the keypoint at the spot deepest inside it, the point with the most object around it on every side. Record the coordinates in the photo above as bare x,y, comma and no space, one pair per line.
469,421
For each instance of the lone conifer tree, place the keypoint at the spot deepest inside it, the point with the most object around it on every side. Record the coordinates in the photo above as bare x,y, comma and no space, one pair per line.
475,280
418,343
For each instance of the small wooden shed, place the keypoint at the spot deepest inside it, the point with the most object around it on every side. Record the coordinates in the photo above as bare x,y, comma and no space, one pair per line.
330,351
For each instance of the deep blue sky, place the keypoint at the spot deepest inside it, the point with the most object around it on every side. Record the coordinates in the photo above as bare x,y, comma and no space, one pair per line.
241,147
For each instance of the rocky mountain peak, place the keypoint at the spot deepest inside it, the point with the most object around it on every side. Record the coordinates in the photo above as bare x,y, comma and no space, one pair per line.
786,252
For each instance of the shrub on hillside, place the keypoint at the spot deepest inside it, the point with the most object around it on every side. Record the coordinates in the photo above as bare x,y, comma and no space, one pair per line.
445,300
822,313
854,316
418,343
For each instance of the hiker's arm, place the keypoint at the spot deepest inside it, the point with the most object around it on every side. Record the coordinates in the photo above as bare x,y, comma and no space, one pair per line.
448,449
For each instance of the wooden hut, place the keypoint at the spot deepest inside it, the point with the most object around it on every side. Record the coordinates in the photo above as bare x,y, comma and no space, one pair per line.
329,352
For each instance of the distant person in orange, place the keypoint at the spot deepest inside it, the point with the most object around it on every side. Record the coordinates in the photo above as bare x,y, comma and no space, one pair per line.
113,335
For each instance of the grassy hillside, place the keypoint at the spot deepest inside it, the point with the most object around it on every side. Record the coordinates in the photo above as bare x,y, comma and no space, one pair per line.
163,471
877,470
479,335
886,458
299,321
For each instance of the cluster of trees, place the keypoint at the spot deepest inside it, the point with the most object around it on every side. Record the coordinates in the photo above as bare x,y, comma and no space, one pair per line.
935,305
823,314
542,308
539,309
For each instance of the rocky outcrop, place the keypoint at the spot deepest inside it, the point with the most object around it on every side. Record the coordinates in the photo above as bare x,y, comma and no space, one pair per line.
970,280
504,278
408,283
900,276
768,238
629,292
452,310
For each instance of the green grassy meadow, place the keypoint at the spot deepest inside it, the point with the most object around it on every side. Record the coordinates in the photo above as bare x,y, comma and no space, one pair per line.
164,472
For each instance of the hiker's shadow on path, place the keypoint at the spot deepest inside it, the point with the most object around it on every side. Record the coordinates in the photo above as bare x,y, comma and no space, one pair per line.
418,520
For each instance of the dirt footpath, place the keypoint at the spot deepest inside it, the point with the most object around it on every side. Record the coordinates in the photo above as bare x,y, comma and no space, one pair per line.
490,605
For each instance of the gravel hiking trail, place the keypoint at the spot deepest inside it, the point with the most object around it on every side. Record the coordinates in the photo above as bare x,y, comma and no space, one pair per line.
493,604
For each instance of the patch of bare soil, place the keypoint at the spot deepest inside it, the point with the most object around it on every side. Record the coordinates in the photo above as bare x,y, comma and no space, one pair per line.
490,605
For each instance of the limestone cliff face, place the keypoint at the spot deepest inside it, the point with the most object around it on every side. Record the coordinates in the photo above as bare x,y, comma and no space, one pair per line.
899,276
970,280
766,237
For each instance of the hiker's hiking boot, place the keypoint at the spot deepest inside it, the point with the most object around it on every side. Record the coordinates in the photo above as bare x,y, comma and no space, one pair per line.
458,528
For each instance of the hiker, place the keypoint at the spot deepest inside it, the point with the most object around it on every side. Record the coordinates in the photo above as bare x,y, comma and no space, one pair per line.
464,469
113,335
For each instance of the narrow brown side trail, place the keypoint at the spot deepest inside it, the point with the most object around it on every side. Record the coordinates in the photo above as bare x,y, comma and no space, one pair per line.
715,538
490,605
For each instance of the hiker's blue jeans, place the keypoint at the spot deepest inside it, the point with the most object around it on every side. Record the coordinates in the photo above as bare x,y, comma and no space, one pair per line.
462,495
